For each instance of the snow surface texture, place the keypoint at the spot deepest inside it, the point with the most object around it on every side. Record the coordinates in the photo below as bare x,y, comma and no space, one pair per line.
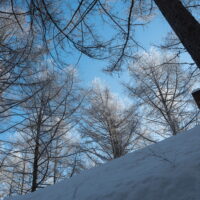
169,170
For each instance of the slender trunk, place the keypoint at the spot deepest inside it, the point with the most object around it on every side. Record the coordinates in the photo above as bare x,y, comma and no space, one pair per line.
172,124
184,25
55,164
35,165
23,175
116,143
55,171
36,155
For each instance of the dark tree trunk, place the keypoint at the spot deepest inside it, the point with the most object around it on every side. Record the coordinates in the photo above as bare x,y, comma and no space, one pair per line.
35,166
36,155
184,25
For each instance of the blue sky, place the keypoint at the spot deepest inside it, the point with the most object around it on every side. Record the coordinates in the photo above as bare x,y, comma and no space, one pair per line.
90,69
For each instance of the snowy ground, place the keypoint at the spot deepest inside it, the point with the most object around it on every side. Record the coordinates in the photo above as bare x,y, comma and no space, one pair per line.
169,170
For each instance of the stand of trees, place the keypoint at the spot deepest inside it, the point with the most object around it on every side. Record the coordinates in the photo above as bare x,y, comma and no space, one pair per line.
71,25
50,127
43,150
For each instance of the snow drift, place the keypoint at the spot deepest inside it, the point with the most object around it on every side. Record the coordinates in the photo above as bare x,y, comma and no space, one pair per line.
169,170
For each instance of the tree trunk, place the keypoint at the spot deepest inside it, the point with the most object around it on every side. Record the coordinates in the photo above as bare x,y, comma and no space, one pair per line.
23,174
36,153
184,25
35,166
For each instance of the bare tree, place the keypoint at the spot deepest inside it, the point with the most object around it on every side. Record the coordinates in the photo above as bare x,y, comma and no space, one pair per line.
17,53
163,88
70,24
108,128
44,143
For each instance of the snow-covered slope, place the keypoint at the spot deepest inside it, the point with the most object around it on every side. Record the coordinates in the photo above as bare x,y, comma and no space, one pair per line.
169,170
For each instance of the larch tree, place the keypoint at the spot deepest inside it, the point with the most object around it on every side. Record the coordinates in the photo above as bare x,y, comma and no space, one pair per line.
46,121
18,50
76,27
163,88
108,128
